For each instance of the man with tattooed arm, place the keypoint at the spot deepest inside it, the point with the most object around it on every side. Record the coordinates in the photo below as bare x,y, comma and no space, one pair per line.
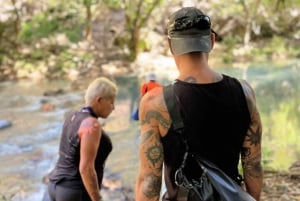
222,122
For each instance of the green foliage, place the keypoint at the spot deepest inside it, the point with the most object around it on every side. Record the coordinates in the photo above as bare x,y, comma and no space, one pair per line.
39,27
74,34
113,3
277,92
230,42
137,14
281,130
278,99
89,3
54,20
276,49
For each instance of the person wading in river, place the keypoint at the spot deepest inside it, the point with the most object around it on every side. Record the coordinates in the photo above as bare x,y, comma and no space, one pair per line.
84,147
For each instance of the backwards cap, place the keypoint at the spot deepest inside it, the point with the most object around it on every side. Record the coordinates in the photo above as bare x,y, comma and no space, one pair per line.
189,30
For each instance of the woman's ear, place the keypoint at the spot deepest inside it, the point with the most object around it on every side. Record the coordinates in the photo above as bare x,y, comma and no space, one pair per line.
99,99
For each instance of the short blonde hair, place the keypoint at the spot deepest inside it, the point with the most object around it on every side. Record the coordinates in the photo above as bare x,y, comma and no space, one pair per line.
102,87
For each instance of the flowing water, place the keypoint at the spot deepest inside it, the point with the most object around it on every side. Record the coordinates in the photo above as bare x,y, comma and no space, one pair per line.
28,149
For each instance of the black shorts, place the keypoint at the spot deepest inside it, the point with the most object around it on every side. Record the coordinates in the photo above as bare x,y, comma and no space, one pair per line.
58,192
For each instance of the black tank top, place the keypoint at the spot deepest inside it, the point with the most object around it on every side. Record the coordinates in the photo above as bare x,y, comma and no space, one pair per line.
66,171
216,119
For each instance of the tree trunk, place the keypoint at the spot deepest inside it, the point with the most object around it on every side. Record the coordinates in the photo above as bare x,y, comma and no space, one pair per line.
88,34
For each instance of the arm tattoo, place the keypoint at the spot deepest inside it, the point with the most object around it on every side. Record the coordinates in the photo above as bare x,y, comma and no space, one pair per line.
245,152
156,115
253,167
146,136
155,154
151,186
254,135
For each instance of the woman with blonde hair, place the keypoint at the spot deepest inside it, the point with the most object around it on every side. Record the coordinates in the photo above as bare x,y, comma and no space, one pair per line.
84,147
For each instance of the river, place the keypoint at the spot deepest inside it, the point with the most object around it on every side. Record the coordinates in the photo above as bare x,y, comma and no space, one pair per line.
28,149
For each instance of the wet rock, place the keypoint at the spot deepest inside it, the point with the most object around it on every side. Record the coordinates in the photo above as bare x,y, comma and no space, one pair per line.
54,92
294,170
47,107
5,124
112,181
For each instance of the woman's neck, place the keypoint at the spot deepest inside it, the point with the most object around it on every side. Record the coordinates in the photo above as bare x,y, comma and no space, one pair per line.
90,110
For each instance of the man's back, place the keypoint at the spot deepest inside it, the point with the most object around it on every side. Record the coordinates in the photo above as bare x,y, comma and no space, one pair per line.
216,119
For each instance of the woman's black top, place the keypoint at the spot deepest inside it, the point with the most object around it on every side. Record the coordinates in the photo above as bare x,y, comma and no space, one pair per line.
66,171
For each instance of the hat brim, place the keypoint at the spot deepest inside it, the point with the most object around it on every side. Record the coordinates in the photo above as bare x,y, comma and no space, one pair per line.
185,45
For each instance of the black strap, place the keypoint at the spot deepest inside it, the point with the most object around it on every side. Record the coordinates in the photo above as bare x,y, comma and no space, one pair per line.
175,116
173,109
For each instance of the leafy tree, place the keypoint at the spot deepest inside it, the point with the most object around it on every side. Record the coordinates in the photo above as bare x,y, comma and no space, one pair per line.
88,12
137,14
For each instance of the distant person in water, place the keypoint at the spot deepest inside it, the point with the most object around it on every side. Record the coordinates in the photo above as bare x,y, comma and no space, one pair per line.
84,147
150,84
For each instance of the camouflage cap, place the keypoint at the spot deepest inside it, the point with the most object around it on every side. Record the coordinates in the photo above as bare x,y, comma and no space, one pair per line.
189,30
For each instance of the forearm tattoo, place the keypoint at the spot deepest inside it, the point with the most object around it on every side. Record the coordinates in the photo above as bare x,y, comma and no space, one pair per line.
251,160
253,167
245,152
151,186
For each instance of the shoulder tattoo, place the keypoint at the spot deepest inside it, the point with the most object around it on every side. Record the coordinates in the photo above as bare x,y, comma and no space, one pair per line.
190,79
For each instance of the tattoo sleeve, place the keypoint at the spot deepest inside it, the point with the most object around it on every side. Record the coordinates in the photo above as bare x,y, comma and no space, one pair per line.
151,154
251,150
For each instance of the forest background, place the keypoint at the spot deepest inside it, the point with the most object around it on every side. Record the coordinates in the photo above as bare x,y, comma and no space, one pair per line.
52,38
72,39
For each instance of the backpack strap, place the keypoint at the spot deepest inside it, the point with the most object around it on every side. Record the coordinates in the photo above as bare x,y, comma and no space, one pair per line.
175,116
173,109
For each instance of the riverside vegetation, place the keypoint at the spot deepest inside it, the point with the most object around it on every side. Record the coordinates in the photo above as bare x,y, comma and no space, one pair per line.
43,40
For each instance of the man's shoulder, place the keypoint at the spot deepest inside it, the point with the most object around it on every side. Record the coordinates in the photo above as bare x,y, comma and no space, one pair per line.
154,100
154,93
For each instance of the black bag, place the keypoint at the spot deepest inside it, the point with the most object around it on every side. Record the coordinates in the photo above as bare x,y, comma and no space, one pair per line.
213,184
